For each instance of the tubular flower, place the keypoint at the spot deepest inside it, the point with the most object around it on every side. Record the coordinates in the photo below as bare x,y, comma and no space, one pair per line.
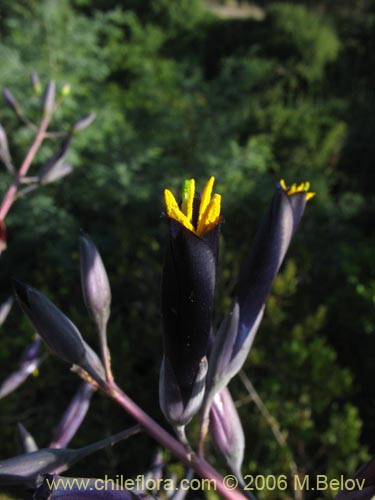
188,284
237,332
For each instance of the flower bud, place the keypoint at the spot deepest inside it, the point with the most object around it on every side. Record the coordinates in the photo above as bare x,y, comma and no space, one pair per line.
226,431
84,123
65,90
94,279
48,100
36,83
57,331
55,168
10,100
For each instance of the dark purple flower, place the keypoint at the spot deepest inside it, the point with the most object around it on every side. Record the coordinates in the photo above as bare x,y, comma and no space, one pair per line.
188,285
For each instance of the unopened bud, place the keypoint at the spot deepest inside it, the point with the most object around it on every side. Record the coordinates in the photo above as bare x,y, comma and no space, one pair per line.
36,83
48,101
10,99
226,430
58,332
65,90
55,168
84,123
94,279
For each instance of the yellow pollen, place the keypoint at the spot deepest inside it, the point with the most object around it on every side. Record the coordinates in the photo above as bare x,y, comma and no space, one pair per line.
209,208
293,189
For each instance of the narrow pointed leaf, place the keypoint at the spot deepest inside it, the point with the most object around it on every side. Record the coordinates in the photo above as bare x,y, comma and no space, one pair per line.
27,468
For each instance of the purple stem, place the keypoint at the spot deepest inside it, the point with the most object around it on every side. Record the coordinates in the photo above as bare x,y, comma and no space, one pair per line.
201,467
11,193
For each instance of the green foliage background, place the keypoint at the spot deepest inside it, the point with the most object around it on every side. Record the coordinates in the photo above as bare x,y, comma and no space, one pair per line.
179,93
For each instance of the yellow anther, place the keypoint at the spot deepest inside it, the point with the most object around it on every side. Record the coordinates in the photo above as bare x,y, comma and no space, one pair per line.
206,197
173,210
211,215
209,208
293,189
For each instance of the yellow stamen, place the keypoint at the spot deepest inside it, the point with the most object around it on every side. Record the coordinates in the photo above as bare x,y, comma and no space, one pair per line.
211,215
206,197
294,189
209,209
173,210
